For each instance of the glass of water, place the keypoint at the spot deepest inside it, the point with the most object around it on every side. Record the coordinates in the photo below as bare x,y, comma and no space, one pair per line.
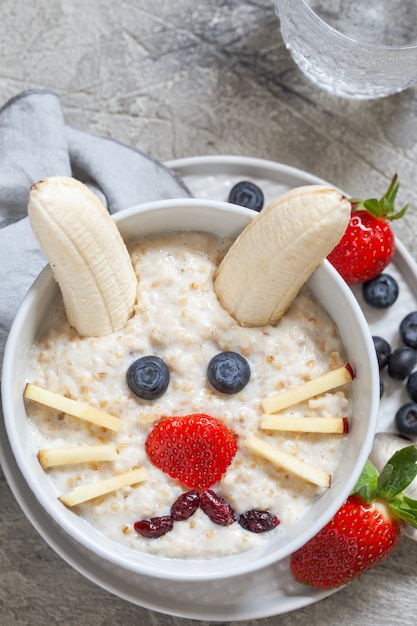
353,48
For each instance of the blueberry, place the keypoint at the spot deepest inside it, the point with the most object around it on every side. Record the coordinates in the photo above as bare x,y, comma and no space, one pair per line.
148,377
408,330
228,372
402,362
380,292
247,194
406,419
412,386
383,351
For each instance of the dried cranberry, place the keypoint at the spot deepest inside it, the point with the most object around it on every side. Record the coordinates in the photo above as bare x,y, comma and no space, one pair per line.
154,527
218,510
185,505
258,521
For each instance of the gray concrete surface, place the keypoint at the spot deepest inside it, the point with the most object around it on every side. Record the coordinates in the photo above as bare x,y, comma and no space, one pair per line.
179,79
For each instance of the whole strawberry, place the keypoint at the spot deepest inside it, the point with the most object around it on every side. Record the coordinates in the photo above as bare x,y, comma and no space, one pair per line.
368,244
194,449
366,528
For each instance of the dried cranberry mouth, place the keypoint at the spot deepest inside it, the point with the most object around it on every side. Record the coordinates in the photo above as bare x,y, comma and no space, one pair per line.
214,506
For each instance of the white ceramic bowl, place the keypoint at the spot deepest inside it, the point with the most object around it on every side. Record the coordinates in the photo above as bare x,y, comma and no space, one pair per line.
329,289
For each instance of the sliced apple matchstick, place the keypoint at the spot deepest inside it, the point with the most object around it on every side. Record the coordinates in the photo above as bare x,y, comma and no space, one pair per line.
51,457
288,462
331,380
82,410
330,425
100,488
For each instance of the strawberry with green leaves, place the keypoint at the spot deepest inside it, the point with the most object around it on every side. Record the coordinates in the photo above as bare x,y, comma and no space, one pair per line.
366,528
368,244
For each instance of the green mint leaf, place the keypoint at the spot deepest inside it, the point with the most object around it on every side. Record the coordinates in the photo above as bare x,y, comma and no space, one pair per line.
366,484
405,508
398,473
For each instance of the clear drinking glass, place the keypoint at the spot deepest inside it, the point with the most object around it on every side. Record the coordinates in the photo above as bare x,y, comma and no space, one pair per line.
353,48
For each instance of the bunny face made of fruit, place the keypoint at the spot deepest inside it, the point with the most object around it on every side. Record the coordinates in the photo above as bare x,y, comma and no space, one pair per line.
205,484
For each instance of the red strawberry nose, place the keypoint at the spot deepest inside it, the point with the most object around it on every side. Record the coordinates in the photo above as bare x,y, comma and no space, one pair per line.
194,449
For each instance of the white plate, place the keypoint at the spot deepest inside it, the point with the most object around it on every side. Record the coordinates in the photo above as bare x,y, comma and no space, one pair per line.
271,591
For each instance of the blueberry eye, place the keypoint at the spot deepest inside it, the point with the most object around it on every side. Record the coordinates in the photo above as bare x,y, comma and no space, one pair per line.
148,377
247,194
228,372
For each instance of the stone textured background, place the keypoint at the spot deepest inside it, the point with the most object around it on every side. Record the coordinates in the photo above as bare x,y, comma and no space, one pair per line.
180,79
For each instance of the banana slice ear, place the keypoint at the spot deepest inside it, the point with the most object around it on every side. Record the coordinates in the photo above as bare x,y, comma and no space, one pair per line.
275,255
86,253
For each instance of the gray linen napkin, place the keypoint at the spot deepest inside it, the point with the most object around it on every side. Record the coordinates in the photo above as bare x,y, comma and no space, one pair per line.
35,142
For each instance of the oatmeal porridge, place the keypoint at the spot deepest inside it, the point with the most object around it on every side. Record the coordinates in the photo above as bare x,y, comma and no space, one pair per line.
179,319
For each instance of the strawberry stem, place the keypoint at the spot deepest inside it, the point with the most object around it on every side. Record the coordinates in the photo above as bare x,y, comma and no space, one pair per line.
384,208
